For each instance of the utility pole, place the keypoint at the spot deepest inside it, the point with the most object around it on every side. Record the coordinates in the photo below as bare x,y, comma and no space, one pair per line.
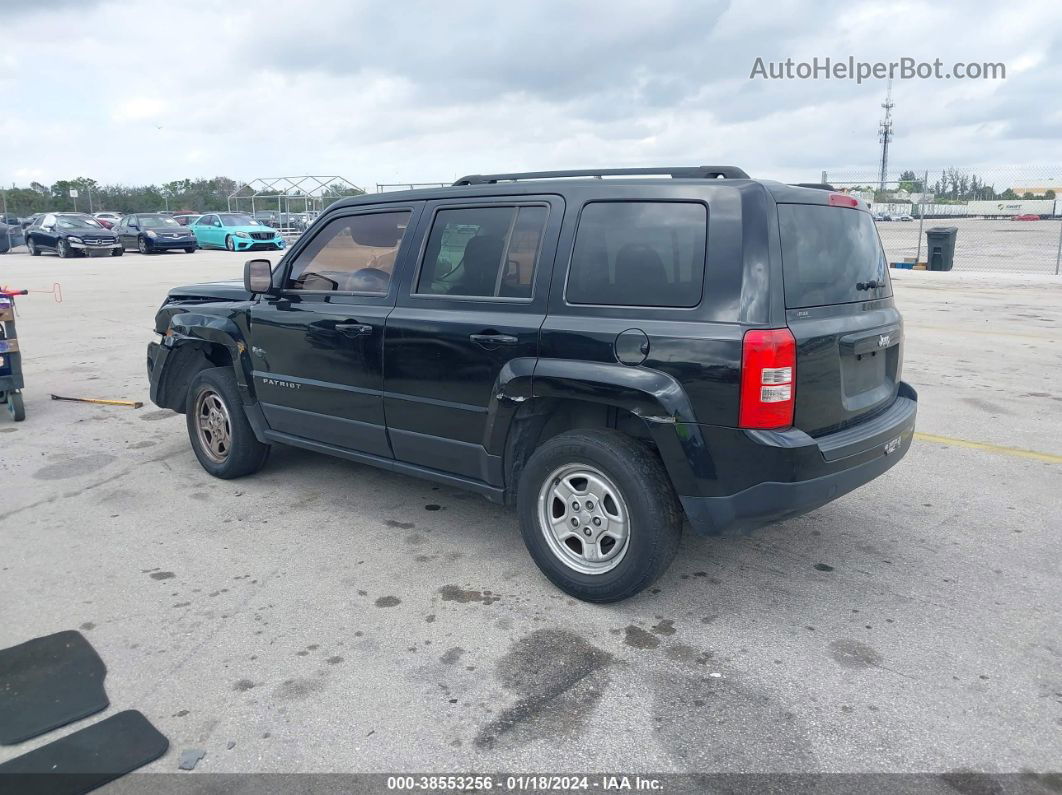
921,217
885,136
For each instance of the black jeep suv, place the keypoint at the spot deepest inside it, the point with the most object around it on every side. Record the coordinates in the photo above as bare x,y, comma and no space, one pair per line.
611,355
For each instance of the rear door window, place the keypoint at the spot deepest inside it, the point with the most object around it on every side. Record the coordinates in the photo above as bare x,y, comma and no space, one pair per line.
483,252
830,255
639,254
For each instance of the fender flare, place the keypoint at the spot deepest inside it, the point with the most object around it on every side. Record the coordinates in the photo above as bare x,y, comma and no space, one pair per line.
654,396
192,328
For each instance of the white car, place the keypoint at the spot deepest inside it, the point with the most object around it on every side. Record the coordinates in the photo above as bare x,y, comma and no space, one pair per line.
111,217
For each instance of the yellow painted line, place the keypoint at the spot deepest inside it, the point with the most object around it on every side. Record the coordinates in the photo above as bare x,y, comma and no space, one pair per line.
1017,452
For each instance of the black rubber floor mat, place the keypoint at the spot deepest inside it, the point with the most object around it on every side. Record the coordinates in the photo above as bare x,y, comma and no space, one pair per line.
86,759
48,682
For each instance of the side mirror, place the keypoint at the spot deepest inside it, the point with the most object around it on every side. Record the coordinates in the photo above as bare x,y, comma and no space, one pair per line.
258,276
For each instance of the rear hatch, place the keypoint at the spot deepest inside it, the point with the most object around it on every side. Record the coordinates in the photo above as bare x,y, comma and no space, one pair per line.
839,307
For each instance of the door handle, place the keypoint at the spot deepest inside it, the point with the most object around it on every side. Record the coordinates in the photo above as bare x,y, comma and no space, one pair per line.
493,339
354,329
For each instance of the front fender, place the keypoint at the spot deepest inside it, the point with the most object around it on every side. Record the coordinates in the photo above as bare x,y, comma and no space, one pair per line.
198,327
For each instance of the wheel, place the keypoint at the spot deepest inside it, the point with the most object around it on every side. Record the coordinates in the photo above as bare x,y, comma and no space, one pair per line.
598,514
217,426
33,250
142,245
190,250
230,244
117,252
63,249
15,406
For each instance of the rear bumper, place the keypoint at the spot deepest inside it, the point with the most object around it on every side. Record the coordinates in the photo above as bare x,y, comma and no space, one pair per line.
816,470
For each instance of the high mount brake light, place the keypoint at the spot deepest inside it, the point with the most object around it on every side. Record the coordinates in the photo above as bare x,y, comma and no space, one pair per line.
840,200
768,371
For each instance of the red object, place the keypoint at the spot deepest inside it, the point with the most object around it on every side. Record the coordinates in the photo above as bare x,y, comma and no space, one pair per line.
104,223
1026,217
768,376
840,200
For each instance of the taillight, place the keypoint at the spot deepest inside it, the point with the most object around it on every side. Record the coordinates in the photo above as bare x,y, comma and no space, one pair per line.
768,370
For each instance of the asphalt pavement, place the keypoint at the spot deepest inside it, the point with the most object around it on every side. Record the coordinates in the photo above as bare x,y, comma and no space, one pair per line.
325,616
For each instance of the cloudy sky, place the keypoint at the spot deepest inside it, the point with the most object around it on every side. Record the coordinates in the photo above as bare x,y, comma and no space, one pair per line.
138,91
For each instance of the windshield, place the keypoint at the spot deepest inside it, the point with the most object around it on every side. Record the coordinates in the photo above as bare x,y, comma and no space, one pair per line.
830,255
231,219
76,222
157,220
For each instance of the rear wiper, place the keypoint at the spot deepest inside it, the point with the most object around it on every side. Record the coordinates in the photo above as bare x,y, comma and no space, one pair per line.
871,285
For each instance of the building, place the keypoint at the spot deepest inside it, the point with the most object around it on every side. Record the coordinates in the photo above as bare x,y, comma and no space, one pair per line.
1037,190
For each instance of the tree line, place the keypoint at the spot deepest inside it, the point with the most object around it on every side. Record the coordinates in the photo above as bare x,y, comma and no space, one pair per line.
182,194
957,185
953,185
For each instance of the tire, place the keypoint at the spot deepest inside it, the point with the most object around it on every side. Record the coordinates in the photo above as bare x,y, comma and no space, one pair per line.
214,391
33,250
643,495
142,245
15,406
117,252
190,250
62,248
229,244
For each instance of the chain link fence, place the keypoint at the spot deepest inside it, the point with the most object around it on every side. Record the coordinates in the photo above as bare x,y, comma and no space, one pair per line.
1006,219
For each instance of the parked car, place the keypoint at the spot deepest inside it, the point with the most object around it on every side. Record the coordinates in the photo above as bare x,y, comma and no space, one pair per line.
1026,217
186,219
235,232
10,236
71,235
580,348
905,217
108,218
150,233
25,223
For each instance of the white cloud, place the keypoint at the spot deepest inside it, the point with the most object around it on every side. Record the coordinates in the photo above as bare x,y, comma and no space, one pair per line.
424,91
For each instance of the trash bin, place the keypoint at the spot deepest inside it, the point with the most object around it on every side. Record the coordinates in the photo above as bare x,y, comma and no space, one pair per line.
940,247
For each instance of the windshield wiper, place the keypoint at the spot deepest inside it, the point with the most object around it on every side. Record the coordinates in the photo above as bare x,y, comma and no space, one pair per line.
871,285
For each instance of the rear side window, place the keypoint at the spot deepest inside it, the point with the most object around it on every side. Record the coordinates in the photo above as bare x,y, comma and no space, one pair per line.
830,255
482,252
639,254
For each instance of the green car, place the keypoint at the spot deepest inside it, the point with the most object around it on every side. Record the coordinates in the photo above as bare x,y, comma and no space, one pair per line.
235,232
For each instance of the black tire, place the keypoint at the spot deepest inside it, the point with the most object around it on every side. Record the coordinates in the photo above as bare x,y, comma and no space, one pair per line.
117,252
229,245
190,250
15,406
654,513
245,454
143,246
33,250
62,248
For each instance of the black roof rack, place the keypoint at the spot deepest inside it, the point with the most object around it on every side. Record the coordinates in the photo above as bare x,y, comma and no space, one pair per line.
684,172
815,185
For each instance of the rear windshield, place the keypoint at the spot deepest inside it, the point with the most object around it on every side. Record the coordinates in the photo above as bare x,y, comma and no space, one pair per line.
830,255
